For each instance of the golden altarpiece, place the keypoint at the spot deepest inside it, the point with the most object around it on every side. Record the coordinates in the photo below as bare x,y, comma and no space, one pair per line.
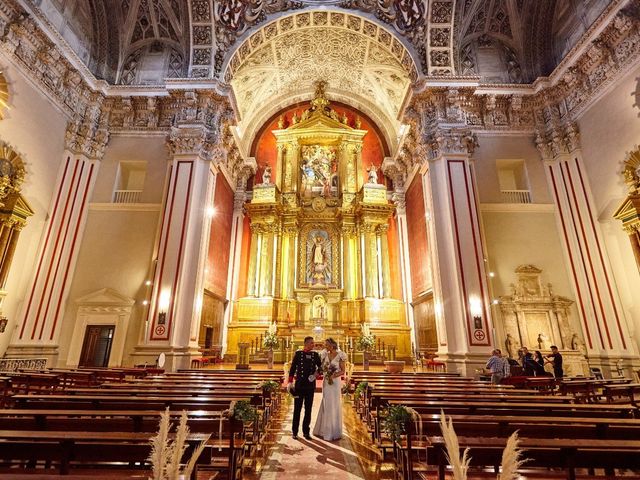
319,250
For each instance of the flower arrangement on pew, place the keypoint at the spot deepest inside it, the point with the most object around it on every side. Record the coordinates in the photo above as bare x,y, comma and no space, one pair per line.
269,386
360,390
243,411
397,419
166,455
512,459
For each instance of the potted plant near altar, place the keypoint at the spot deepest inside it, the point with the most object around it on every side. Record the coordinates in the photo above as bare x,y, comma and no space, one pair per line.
269,342
365,342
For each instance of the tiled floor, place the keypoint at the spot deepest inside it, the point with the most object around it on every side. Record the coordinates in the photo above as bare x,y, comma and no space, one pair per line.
352,457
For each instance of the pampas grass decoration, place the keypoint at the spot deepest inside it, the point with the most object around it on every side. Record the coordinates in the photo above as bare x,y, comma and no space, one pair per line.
159,453
166,455
512,459
459,466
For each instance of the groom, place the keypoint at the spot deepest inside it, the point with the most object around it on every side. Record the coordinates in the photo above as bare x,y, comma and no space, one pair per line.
305,366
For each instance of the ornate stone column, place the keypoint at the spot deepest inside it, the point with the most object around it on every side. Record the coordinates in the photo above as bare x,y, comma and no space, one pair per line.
385,274
350,260
288,256
41,316
178,283
9,252
370,267
460,287
267,260
252,290
601,314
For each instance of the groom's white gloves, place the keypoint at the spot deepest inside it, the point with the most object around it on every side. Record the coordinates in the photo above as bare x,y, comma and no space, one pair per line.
291,387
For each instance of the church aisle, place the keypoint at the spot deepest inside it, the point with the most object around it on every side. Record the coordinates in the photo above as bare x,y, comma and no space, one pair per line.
353,457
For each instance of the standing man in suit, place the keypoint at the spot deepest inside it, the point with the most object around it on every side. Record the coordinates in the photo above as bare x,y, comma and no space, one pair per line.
305,366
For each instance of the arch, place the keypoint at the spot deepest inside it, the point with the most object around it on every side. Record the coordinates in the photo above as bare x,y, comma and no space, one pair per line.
251,130
364,64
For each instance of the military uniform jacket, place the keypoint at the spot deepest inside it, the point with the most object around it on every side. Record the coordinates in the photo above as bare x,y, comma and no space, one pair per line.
303,365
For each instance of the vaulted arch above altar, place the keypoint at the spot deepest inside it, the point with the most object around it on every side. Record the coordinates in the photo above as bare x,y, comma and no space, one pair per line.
360,61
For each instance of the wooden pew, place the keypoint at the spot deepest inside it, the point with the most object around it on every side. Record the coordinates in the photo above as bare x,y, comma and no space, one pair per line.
227,441
124,402
70,448
564,453
625,392
408,450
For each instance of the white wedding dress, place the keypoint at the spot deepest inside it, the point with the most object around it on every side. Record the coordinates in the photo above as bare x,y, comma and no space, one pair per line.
329,421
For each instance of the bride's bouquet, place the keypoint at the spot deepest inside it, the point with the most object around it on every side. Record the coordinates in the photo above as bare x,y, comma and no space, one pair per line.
328,371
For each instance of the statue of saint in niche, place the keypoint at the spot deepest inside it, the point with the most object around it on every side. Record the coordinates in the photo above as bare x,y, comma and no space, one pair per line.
319,167
318,258
319,307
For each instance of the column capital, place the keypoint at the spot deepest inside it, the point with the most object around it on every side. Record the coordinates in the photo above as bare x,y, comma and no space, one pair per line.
400,201
557,140
454,142
188,140
395,171
382,229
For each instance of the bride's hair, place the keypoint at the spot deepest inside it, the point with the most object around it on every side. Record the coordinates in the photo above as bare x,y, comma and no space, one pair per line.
333,343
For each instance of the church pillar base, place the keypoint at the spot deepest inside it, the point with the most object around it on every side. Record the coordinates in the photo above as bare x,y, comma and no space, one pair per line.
48,352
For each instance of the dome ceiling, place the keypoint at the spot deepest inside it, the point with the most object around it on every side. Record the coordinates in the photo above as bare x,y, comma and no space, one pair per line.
354,56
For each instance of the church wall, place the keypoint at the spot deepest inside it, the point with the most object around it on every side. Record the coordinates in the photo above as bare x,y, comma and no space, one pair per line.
217,266
244,257
520,238
417,239
118,242
150,151
493,148
35,129
519,234
608,130
113,255
394,259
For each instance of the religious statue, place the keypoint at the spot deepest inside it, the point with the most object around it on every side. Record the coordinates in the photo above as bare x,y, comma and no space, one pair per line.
543,341
358,123
318,262
345,119
266,175
576,344
281,122
373,175
509,343
294,119
319,307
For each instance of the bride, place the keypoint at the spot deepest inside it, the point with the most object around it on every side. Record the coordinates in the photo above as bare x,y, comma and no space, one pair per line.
329,420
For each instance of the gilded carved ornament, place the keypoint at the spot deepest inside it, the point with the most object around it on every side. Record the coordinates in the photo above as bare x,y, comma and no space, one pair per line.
631,170
12,171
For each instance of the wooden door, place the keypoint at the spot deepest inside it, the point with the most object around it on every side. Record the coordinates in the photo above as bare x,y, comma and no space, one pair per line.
97,346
